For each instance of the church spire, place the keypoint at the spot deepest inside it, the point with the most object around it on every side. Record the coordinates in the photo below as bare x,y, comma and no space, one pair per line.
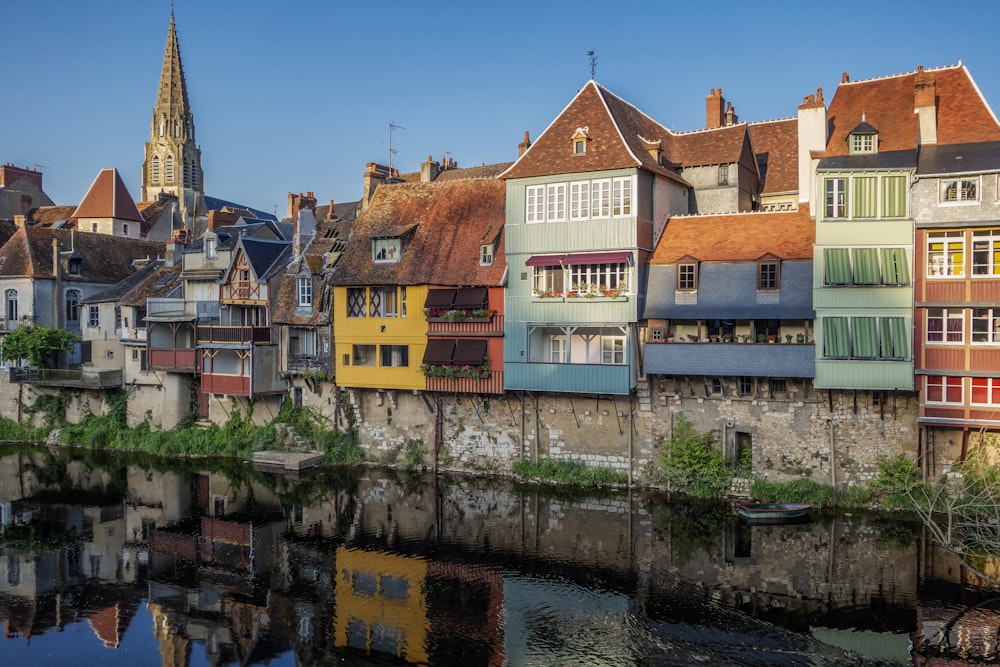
173,159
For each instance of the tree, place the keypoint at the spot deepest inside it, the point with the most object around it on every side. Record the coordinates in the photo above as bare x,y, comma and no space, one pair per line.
36,344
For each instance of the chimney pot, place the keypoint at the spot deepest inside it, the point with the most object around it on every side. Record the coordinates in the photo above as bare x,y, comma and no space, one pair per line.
845,78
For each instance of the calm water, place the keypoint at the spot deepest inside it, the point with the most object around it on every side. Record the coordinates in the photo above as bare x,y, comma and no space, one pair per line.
121,560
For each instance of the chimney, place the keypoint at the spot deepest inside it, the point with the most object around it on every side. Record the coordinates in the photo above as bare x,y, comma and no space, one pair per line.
19,220
375,175
329,214
524,145
429,170
812,129
731,117
169,253
293,206
925,106
55,258
714,104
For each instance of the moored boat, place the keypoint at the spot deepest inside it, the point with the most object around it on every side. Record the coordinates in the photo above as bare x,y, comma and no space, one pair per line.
774,512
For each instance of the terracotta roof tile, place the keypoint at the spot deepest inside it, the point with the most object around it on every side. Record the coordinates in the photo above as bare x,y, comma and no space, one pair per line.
105,258
776,144
321,256
108,198
721,145
737,237
963,116
447,223
46,216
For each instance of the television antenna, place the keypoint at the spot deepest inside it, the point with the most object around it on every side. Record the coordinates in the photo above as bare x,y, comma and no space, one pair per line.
392,151
593,63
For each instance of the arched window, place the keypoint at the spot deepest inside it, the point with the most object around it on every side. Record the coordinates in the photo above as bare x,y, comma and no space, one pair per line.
170,169
188,168
73,308
154,170
11,295
177,127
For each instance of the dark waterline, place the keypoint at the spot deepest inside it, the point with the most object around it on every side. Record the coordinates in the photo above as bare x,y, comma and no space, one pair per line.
121,559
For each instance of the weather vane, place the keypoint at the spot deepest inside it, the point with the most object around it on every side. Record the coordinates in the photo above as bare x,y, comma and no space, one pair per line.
593,63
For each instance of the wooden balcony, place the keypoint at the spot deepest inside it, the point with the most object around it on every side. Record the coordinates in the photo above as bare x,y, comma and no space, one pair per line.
233,335
491,382
231,385
84,378
174,361
471,326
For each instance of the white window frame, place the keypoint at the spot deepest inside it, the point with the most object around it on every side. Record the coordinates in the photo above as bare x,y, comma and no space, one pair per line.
613,350
589,278
946,315
11,305
944,389
486,254
557,349
94,316
835,198
545,279
384,302
534,196
862,143
305,291
600,198
946,255
992,386
992,333
579,200
555,202
385,251
991,239
960,187
621,200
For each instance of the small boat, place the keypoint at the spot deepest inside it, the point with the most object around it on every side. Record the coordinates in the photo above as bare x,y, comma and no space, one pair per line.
774,512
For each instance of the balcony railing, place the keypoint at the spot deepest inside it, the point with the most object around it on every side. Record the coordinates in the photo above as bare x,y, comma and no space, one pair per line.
440,326
491,382
84,378
165,308
725,359
234,335
178,361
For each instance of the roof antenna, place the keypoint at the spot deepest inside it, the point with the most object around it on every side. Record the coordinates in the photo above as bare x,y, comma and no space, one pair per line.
593,63
392,151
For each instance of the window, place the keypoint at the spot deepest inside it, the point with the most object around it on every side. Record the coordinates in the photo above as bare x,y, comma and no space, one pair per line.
580,140
893,338
600,199
622,192
555,202
777,386
613,349
724,174
986,391
124,229
579,147
895,269
93,227
744,386
363,355
154,168
945,254
944,389
599,279
865,338
587,199
73,307
866,266
11,299
579,200
386,250
836,338
836,198
535,196
687,277
396,356
93,316
862,143
986,253
384,302
945,326
356,302
211,245
865,196
767,275
305,291
959,191
986,325
486,254
548,280
557,349
169,169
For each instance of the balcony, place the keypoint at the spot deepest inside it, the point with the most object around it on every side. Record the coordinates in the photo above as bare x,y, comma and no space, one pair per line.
490,382
298,364
172,360
166,310
233,335
229,385
84,378
569,378
471,326
790,360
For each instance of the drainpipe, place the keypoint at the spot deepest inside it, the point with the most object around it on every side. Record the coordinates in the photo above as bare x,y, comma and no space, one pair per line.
57,292
833,457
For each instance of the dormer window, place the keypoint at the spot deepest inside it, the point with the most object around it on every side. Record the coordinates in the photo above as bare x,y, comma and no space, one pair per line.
305,291
580,140
74,264
768,274
211,246
386,250
863,138
687,276
486,254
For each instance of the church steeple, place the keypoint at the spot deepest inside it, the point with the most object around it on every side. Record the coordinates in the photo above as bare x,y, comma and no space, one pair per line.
173,159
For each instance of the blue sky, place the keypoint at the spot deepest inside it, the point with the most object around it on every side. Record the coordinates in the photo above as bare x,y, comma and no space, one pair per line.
298,96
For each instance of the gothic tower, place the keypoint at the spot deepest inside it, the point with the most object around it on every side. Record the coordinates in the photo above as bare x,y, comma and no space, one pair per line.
173,160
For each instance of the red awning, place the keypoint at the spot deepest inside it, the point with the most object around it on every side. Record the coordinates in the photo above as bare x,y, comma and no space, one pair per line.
470,351
439,351
619,257
471,297
544,260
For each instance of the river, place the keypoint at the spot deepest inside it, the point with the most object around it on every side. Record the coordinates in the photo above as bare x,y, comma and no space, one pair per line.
130,560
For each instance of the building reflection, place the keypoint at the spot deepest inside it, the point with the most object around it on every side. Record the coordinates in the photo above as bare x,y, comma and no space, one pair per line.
243,567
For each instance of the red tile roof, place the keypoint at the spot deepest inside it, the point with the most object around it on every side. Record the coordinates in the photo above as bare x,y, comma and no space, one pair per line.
108,198
721,145
963,116
105,258
776,144
737,237
443,226
46,216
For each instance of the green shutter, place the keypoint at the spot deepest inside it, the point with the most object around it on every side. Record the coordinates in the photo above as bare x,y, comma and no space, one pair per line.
837,266
895,270
892,332
864,336
836,341
865,197
894,197
866,266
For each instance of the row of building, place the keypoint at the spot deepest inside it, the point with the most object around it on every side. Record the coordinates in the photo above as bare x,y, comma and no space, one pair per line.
842,264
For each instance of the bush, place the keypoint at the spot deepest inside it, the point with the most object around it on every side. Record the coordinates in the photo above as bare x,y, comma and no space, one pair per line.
895,478
693,462
568,472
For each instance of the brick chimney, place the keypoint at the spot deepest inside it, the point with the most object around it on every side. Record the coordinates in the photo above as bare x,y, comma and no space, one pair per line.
714,104
169,253
731,117
221,219
925,106
524,145
429,170
375,175
812,129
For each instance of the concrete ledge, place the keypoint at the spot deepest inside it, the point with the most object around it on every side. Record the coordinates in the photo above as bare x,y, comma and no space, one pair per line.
294,461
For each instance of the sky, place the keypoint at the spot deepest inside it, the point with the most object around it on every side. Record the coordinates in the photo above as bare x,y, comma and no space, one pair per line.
299,96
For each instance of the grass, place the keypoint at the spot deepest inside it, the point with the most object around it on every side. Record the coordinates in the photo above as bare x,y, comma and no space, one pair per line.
809,491
568,472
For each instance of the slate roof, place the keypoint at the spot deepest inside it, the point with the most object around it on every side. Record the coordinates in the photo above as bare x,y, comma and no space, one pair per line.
123,287
217,204
737,237
263,254
959,158
47,216
160,283
776,145
151,211
320,256
870,161
105,258
108,198
963,116
442,227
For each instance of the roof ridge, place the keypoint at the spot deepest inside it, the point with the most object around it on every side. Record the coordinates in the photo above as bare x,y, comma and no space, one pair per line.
711,129
729,214
901,74
637,109
772,120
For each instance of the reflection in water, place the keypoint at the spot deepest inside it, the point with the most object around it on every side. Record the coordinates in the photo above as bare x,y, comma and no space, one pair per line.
140,561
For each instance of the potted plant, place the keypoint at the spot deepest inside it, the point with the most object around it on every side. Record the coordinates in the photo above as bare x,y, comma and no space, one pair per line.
800,338
788,338
692,338
761,338
669,337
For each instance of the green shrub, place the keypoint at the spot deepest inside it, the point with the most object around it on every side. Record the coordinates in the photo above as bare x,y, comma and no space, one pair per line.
693,462
568,472
895,478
